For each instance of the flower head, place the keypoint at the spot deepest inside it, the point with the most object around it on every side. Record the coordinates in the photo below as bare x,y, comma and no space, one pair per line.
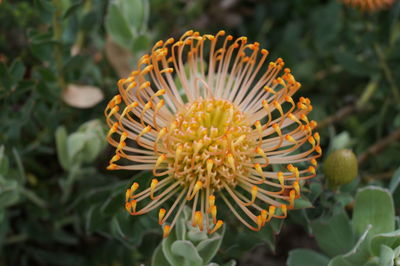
214,123
369,5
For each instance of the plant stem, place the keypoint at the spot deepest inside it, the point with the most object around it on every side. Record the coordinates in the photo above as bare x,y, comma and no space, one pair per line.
350,109
379,146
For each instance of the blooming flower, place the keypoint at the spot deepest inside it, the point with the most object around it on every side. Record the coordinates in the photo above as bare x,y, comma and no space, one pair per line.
369,5
222,127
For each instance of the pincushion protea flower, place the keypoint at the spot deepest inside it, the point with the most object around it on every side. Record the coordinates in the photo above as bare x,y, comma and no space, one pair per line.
369,5
221,127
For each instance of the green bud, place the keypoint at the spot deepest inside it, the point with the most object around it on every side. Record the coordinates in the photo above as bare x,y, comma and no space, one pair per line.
341,167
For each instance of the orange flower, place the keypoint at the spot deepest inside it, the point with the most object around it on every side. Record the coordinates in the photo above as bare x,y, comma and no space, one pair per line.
370,5
214,123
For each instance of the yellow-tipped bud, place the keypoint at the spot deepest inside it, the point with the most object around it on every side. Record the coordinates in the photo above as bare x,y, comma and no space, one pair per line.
271,212
198,220
311,169
211,200
210,164
144,85
159,105
166,230
217,226
160,159
257,124
112,166
284,210
278,106
161,215
197,187
197,145
296,187
153,185
134,187
314,162
290,139
292,196
260,152
281,178
127,194
259,222
264,216
277,129
258,168
231,161
213,211
159,93
115,158
253,192
145,130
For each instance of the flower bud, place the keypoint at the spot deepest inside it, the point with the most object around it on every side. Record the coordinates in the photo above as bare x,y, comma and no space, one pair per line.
340,168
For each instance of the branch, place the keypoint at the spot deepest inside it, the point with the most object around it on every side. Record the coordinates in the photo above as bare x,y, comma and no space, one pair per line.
379,146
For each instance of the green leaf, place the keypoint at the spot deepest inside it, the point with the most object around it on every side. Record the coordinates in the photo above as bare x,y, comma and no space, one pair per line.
158,258
327,29
209,247
62,147
391,240
166,245
386,257
395,181
9,192
118,27
306,257
4,163
334,235
373,206
75,144
188,251
357,256
17,70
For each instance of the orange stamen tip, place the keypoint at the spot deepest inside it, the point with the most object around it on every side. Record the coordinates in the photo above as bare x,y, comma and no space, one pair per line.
210,164
311,169
231,160
127,194
115,158
211,200
197,187
258,168
290,139
166,230
277,129
259,222
160,159
112,166
313,124
257,124
217,226
161,215
198,220
134,187
284,209
314,162
281,178
263,216
213,211
296,187
318,150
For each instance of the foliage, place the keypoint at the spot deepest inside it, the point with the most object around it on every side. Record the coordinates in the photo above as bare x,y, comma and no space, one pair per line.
370,238
58,204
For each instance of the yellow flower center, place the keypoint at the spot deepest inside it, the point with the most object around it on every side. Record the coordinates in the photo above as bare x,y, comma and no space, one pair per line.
210,141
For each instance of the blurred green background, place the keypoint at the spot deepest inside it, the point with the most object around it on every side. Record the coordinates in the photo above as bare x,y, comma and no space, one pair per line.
59,64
